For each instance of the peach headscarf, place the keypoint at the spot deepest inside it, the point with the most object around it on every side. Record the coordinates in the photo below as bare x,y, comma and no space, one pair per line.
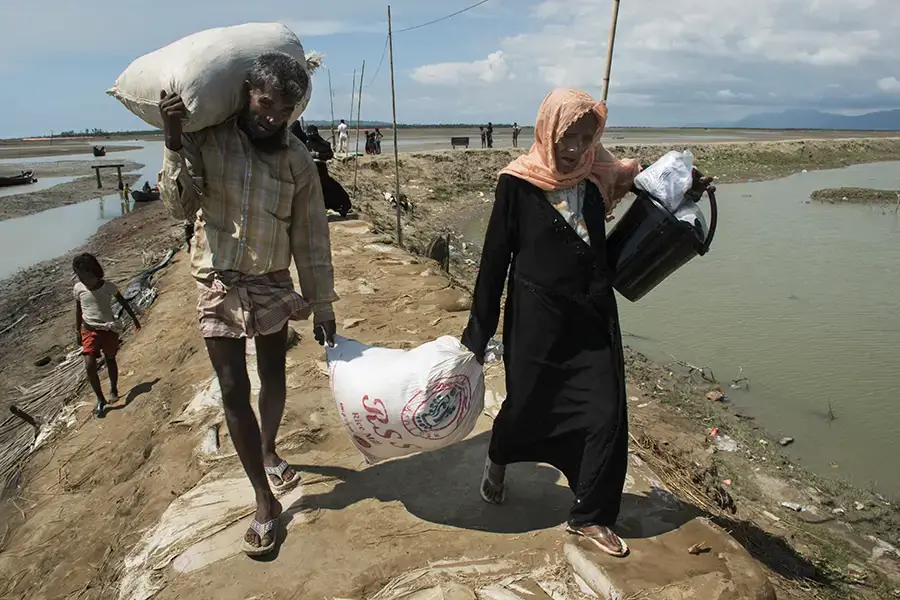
560,109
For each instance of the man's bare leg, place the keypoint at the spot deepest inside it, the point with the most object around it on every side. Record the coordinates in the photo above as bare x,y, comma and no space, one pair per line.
229,360
271,351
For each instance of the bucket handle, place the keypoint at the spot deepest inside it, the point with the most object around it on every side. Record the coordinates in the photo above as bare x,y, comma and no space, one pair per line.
714,218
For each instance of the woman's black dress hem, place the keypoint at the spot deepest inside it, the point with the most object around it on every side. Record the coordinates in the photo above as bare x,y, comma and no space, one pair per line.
565,374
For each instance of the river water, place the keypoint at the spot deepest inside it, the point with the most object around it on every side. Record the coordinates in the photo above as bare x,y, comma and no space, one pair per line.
26,241
806,299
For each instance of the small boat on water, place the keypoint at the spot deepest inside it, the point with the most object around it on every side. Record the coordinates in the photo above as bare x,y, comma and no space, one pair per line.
23,178
145,195
99,150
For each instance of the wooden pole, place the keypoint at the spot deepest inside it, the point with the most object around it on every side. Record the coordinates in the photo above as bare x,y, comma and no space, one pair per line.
362,77
331,96
396,153
119,173
99,183
609,50
350,114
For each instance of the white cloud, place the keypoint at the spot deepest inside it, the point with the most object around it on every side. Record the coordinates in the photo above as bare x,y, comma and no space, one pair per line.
889,84
323,27
729,56
493,69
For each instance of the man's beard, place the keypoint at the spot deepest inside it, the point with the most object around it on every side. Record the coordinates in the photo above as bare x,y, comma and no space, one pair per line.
271,143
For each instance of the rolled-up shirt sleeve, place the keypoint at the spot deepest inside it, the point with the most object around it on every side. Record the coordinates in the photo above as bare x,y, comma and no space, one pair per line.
180,182
311,241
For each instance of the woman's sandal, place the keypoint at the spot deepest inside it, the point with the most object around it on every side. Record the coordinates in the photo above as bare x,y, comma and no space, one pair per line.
488,488
284,486
600,542
262,530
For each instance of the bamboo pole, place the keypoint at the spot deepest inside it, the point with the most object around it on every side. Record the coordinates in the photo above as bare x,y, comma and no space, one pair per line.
609,50
362,77
331,97
396,153
350,114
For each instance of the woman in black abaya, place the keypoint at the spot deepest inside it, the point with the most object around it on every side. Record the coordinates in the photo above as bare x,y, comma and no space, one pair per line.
565,375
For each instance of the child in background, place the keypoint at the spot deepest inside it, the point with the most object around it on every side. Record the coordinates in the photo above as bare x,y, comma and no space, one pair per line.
95,325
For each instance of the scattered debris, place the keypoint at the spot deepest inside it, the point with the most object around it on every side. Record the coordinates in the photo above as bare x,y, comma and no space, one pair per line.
727,482
786,441
716,396
293,337
725,443
20,319
859,506
838,512
698,549
771,516
351,323
763,443
741,383
856,574
792,506
42,362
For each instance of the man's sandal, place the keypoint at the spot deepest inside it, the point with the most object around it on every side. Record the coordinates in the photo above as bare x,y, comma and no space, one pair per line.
278,472
262,530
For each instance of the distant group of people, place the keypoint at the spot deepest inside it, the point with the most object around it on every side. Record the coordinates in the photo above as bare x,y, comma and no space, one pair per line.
373,139
487,135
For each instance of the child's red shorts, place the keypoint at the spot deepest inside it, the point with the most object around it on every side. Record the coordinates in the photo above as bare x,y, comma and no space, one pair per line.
94,343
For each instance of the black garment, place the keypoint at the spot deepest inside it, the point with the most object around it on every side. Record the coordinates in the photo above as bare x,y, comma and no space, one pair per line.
565,373
336,197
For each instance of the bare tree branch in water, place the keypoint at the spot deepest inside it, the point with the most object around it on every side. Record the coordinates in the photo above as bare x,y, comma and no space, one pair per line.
705,372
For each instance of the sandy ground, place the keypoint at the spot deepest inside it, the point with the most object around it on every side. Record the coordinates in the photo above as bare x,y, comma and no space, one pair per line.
857,196
135,462
21,149
88,498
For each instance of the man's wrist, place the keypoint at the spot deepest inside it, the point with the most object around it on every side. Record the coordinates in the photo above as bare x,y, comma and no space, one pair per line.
323,314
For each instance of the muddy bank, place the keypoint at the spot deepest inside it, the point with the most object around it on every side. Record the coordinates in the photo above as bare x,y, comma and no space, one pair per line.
43,294
356,529
21,149
846,195
63,194
69,192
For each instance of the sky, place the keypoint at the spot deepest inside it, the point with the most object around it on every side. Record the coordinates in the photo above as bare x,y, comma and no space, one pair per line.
678,63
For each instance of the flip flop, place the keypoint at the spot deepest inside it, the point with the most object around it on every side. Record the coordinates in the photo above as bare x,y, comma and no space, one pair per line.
100,410
620,554
261,529
486,481
279,472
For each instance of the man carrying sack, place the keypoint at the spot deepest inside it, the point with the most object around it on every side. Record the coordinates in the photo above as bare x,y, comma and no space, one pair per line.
255,192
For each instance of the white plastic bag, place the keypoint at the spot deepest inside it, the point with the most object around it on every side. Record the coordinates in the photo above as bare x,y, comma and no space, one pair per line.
208,69
397,402
668,179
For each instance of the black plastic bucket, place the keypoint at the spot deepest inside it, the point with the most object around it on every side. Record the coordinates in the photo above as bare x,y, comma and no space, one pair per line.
648,244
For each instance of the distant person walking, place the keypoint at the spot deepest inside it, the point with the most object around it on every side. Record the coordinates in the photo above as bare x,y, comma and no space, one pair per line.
516,131
378,137
483,137
490,135
343,137
96,327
